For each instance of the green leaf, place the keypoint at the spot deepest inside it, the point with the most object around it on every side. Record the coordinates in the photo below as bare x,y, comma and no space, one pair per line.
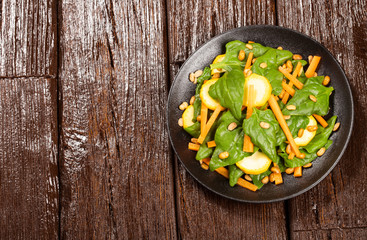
304,105
229,90
233,48
322,137
228,141
256,179
193,130
297,162
265,139
234,174
197,103
273,59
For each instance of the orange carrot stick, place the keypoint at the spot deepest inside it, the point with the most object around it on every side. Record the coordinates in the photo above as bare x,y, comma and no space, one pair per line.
279,116
249,60
321,120
291,78
295,74
193,146
288,89
204,116
224,172
297,172
313,65
211,144
248,146
209,124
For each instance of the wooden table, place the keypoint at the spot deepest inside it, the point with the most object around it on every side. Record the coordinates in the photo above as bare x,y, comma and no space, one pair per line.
84,149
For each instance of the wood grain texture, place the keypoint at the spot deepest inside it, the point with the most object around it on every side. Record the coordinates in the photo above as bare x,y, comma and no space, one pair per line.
116,170
29,185
201,213
338,202
28,31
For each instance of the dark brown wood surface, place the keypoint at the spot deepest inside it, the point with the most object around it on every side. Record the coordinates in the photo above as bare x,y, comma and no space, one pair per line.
28,38
29,184
84,150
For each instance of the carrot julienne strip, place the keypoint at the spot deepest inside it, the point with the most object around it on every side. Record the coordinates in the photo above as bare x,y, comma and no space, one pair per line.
313,65
224,172
204,116
193,146
248,146
211,144
297,172
295,74
291,78
249,60
283,124
321,120
210,123
288,89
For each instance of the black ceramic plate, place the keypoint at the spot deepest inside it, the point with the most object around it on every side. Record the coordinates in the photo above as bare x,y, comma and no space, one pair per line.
341,104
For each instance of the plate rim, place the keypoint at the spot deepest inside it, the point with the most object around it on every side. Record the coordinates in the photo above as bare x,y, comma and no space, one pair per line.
349,90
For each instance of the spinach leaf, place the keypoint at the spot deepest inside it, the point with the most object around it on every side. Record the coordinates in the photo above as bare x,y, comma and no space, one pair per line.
295,62
265,139
193,130
297,162
231,61
234,174
256,179
228,141
273,59
197,103
229,90
322,137
304,106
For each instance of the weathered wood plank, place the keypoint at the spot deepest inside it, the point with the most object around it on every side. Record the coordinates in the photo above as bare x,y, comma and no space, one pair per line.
116,167
29,189
338,201
28,38
201,213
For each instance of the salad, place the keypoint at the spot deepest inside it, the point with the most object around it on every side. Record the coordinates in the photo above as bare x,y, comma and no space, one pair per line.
257,112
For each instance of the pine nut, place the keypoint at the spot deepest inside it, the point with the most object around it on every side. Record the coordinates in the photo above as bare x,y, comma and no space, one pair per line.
289,64
216,75
302,156
289,170
275,170
198,118
310,58
192,100
183,106
288,149
272,179
248,178
194,140
248,73
223,155
253,60
192,77
280,48
307,165
311,128
289,70
180,122
232,126
264,125
275,165
313,98
284,65
201,162
321,152
263,65
204,166
315,74
198,73
300,132
249,46
265,180
241,55
291,107
326,80
286,117
336,126
297,57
